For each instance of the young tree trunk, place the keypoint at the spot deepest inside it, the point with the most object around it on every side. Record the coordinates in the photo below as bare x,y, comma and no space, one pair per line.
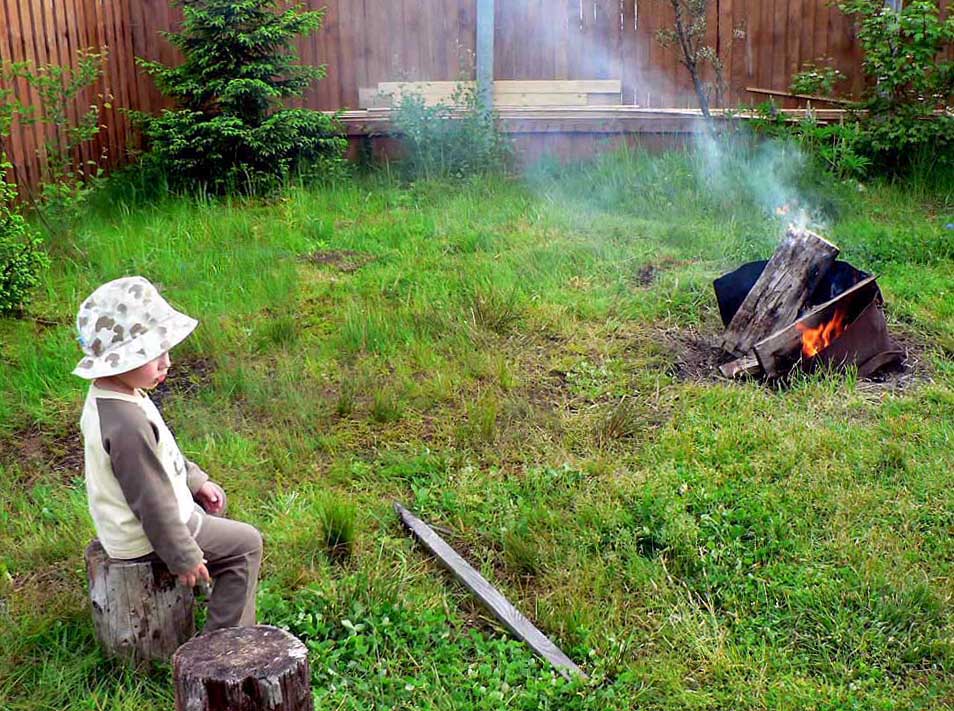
260,668
690,54
140,612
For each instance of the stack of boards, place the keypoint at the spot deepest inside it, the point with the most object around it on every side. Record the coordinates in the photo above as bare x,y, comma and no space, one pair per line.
571,92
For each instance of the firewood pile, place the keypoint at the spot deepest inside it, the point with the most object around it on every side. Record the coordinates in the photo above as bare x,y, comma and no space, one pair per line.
803,309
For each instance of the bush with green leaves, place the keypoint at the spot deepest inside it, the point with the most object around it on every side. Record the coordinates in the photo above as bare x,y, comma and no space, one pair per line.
911,78
905,115
229,132
837,147
21,251
66,183
814,79
452,139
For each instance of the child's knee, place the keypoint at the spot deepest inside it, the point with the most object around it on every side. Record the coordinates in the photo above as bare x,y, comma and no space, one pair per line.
254,542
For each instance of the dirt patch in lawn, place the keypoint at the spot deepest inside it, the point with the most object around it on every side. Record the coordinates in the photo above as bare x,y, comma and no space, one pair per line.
34,451
187,377
647,274
344,260
696,355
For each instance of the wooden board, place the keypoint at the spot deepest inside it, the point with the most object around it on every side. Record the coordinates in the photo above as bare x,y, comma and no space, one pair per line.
506,93
510,87
488,595
777,349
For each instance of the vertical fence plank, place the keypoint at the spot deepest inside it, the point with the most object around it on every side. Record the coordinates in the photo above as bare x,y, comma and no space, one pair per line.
503,46
807,39
34,28
116,133
348,54
12,146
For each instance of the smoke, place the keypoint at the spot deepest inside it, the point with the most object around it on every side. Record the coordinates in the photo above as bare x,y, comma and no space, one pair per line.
768,172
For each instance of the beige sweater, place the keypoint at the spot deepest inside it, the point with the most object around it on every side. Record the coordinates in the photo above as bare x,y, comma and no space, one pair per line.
138,483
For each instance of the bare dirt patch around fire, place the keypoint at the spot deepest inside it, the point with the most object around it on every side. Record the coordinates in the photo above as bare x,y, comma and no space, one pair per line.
697,355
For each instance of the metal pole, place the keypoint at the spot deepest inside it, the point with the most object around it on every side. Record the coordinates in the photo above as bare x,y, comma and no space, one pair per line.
485,54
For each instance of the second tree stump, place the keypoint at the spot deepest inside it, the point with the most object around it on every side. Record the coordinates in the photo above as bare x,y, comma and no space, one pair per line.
260,668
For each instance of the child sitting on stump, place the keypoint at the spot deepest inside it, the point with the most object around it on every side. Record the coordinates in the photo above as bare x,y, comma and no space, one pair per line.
146,499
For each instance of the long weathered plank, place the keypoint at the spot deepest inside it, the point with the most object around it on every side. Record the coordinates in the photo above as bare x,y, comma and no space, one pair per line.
509,616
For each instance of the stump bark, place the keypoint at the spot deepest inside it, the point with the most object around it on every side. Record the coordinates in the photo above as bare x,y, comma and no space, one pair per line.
787,281
140,612
260,668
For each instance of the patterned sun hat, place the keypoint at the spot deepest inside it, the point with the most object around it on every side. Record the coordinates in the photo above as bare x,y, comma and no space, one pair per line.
124,324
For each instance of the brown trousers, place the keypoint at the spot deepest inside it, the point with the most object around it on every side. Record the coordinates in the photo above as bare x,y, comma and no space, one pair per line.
233,555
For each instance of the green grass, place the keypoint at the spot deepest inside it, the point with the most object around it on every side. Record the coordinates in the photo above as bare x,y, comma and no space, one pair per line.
495,357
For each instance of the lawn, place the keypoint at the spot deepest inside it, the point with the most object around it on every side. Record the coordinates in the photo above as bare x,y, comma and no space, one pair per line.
523,362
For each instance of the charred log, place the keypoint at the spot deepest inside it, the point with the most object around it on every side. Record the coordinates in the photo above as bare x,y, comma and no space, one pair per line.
779,294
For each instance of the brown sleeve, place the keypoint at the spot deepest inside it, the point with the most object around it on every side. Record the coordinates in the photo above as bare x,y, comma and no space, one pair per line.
130,440
195,477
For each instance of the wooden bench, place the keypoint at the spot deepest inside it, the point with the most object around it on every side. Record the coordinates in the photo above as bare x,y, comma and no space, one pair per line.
570,92
140,612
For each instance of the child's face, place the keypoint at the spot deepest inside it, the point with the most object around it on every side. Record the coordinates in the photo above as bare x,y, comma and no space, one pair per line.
147,376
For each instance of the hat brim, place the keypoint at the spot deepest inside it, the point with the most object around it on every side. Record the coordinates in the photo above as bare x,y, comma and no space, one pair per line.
139,351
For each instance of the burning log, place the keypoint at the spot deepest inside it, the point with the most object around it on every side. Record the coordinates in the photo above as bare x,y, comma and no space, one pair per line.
824,325
784,286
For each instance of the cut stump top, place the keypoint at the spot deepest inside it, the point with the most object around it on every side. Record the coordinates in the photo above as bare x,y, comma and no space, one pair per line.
232,654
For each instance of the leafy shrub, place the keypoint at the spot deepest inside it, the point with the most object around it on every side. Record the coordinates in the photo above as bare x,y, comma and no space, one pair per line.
450,140
904,113
839,147
66,185
907,80
21,254
229,132
813,79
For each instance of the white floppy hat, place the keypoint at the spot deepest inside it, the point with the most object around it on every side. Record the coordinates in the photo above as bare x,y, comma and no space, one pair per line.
124,324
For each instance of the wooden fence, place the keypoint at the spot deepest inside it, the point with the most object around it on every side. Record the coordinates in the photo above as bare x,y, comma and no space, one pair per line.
363,42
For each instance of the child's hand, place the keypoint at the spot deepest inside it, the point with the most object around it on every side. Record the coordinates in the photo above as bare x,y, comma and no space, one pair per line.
191,577
211,497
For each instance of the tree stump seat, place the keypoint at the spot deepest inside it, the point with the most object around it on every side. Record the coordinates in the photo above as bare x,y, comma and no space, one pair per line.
140,612
258,668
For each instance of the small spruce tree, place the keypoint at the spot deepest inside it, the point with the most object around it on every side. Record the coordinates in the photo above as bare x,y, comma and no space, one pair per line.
230,131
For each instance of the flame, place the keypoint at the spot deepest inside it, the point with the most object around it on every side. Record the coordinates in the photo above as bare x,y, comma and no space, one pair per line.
815,340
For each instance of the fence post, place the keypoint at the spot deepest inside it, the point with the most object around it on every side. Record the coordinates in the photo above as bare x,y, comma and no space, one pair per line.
485,53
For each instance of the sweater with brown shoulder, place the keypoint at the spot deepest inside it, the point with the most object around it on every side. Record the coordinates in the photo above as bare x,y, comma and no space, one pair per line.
139,485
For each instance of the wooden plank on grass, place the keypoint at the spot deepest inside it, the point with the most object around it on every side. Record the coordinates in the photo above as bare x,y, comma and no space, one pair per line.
488,595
